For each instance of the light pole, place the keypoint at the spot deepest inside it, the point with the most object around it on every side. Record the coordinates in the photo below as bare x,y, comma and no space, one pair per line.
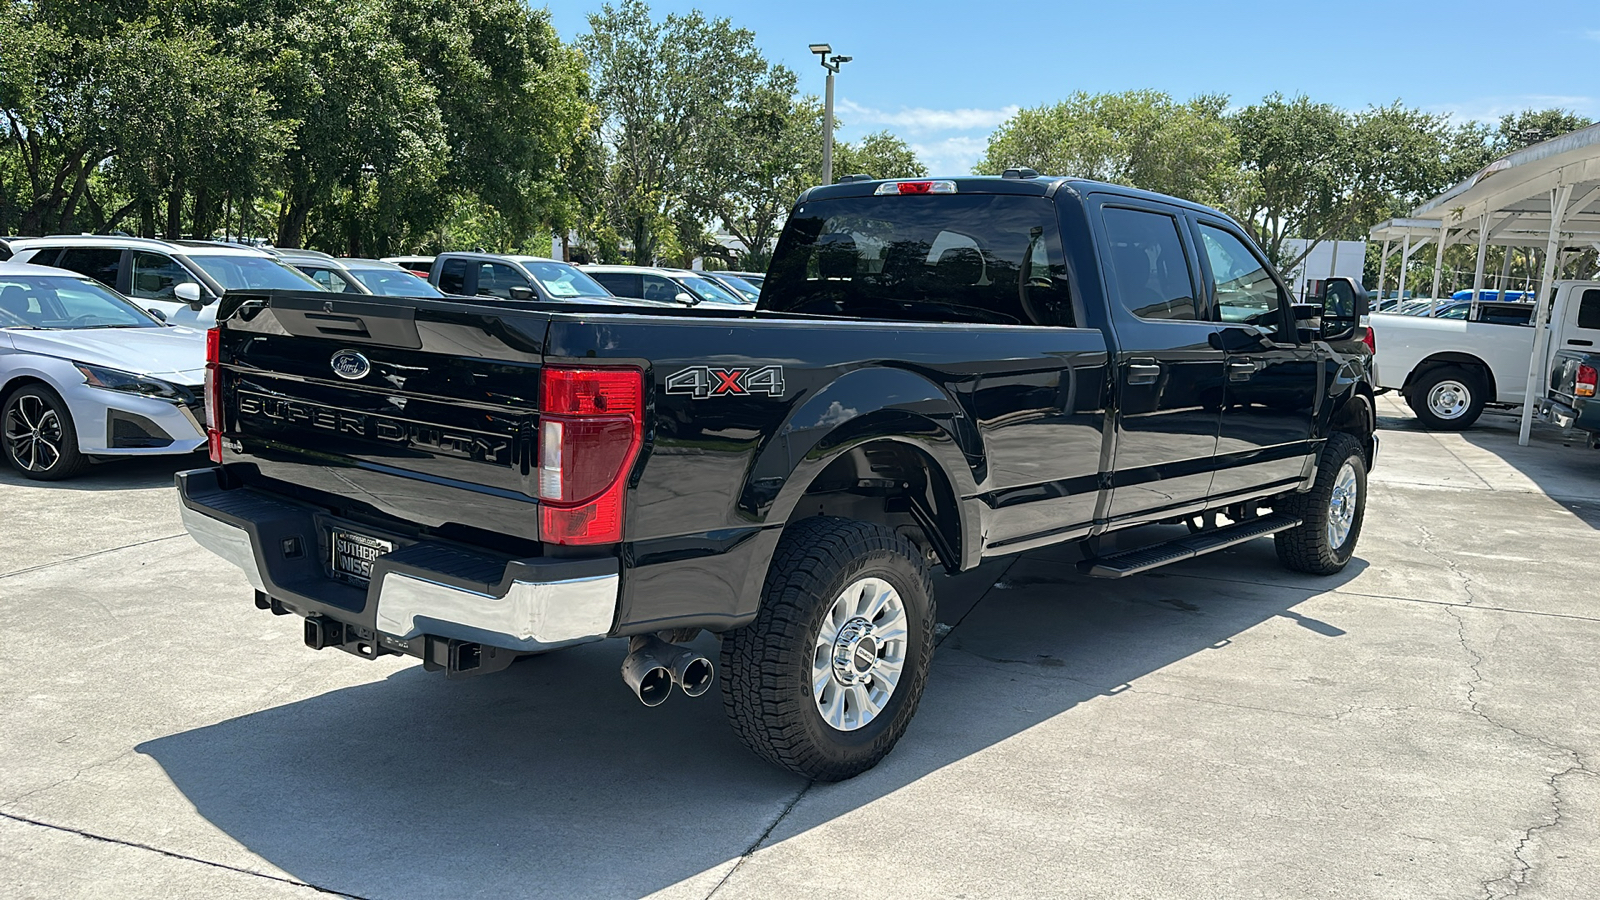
832,64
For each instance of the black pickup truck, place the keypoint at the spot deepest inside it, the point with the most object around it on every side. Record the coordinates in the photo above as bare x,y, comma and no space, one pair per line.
939,372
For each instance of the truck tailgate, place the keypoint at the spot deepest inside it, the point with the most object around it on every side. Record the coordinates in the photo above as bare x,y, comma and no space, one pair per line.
424,411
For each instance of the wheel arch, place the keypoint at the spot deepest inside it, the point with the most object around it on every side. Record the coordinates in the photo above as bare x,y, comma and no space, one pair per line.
1453,358
884,445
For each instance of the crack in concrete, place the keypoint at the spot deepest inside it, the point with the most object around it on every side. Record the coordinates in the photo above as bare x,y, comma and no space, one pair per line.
1521,869
756,845
62,562
89,835
1466,580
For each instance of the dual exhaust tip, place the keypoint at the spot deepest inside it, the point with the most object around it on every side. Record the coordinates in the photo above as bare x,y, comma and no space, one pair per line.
653,666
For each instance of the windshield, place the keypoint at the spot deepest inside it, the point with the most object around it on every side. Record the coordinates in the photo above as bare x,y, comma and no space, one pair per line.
393,283
253,272
709,290
938,258
741,286
64,302
561,281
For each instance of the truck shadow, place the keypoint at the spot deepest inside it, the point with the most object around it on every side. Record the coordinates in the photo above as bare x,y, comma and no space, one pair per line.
550,779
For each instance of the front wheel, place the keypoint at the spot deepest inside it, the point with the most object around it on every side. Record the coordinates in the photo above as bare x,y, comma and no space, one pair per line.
827,677
1331,513
37,434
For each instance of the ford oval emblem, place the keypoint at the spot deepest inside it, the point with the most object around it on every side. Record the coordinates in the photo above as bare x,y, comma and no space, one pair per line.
350,365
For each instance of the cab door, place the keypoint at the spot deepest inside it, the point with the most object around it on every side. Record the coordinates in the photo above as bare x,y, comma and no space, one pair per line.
1580,322
1273,383
1168,365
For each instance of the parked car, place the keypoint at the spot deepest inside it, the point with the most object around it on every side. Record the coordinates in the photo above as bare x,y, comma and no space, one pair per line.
421,265
359,276
737,285
1449,369
85,374
178,281
941,372
659,285
516,278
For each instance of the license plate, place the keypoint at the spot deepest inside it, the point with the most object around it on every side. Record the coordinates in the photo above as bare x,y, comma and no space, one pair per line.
354,554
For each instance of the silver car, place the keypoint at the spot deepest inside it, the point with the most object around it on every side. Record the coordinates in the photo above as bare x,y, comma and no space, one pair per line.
85,374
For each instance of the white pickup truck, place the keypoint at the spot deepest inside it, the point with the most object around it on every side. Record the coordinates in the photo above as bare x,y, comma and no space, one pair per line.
1448,370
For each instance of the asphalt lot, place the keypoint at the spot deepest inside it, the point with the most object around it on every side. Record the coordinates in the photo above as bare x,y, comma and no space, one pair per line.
1422,725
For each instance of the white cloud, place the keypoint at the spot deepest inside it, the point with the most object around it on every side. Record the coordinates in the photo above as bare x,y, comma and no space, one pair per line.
952,155
920,120
1490,109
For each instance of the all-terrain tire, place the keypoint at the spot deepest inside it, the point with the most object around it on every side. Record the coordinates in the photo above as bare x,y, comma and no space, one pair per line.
1313,546
767,666
1448,398
38,437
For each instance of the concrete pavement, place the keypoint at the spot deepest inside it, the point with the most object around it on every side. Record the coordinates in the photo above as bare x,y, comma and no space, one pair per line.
1422,725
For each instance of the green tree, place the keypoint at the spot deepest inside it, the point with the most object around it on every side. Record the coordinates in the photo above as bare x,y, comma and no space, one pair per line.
669,94
1141,138
1529,127
881,155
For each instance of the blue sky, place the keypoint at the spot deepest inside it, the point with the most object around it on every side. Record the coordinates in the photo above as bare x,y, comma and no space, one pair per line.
942,75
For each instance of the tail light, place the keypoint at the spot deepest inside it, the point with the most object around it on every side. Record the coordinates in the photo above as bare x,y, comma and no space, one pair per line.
591,427
916,187
213,395
1587,378
1370,339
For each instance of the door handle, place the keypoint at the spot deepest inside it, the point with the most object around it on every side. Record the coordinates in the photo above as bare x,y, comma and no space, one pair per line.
1574,342
1143,372
1241,370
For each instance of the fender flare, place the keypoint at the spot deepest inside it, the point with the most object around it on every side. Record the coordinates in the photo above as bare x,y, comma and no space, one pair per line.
874,404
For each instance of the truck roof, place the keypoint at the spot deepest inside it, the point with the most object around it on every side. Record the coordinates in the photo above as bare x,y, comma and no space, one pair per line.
1034,186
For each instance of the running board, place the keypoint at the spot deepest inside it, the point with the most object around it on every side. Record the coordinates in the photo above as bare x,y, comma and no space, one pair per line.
1143,559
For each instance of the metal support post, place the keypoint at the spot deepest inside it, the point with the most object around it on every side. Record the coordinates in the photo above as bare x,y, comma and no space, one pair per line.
1383,269
1541,332
1438,266
1477,272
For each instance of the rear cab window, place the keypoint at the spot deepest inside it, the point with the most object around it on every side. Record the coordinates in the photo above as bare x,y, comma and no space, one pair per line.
100,263
982,258
1153,276
453,276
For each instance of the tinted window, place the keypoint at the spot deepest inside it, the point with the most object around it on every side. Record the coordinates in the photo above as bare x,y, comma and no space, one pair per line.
654,287
155,275
497,279
453,277
1244,287
1589,310
939,258
1149,265
623,284
99,263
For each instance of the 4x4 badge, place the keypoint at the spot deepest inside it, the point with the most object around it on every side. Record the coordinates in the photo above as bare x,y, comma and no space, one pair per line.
350,365
701,382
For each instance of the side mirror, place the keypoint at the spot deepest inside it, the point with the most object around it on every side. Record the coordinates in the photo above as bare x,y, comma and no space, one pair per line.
189,292
156,312
1343,302
522,292
686,298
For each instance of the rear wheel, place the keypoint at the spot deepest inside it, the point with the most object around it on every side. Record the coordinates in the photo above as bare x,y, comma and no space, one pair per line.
828,676
37,435
1331,513
1449,398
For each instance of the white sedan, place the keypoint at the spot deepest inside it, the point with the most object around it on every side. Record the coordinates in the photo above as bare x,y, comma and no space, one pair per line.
85,375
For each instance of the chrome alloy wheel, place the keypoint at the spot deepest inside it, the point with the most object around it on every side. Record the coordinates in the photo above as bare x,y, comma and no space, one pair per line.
859,654
1449,399
33,434
1342,505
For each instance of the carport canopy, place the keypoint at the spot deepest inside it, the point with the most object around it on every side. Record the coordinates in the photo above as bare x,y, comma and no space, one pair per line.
1545,194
